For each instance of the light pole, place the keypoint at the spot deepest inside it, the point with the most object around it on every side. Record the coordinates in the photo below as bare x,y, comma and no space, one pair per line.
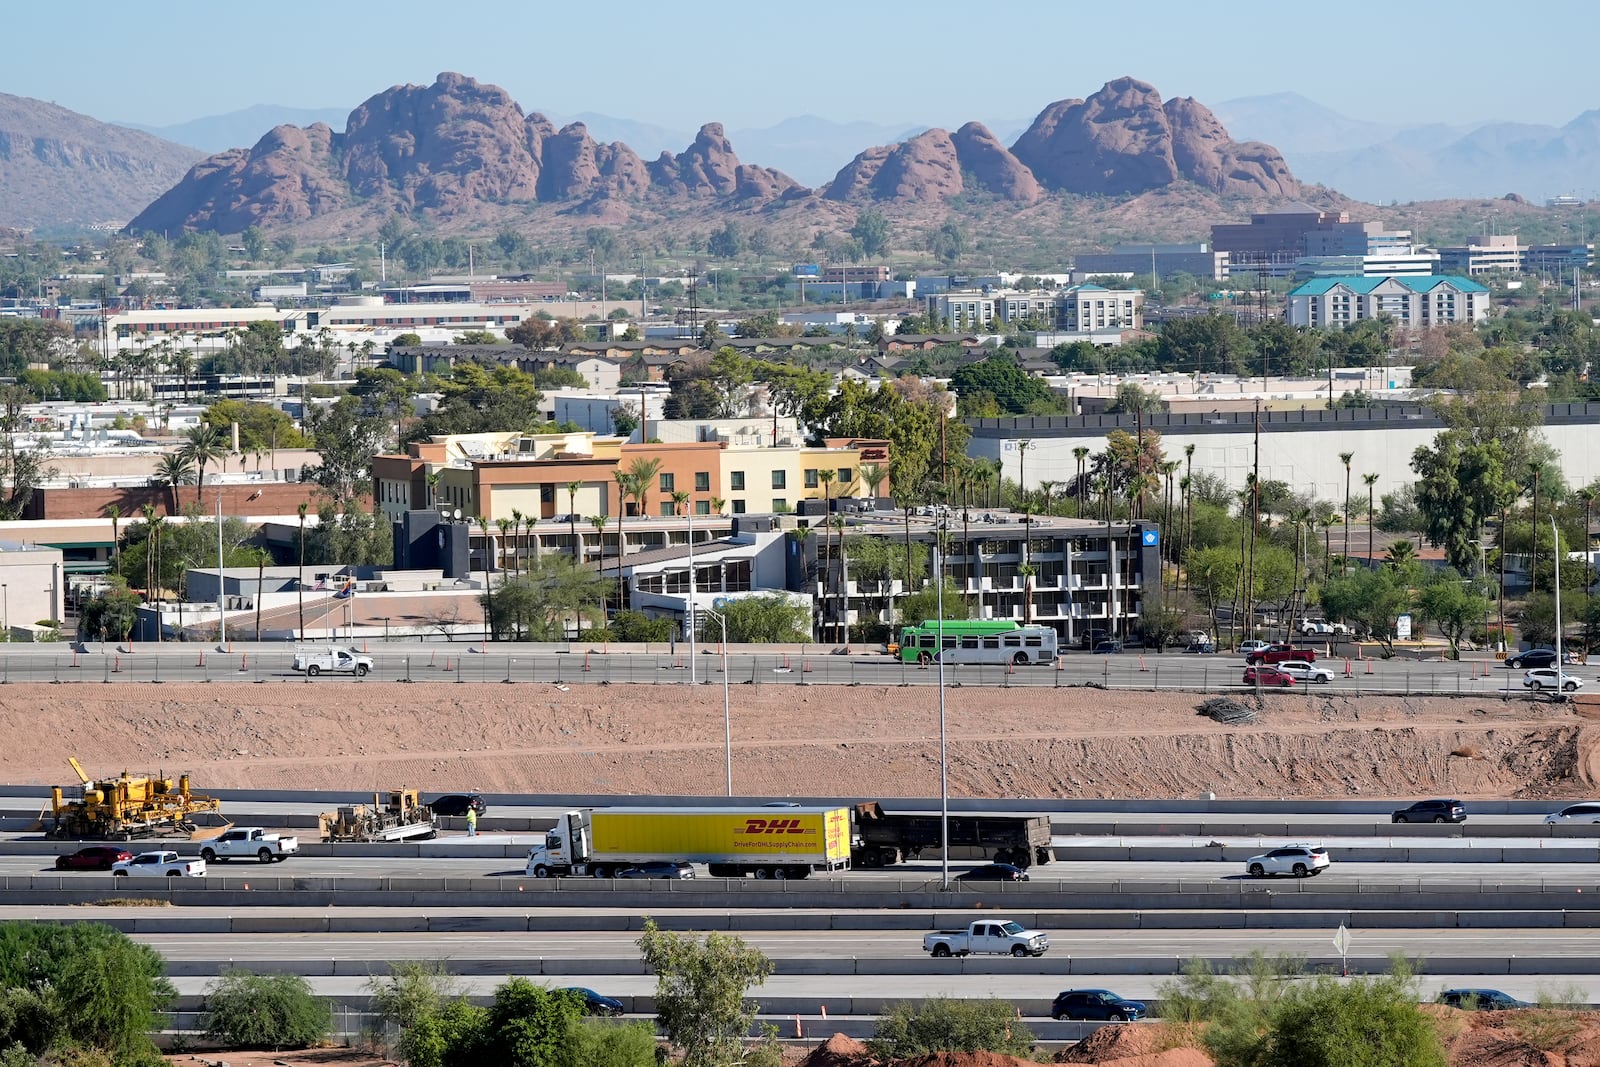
5,611
1556,534
944,767
727,710
689,616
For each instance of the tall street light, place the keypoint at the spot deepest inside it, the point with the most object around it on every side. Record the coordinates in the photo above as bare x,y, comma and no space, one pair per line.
727,712
944,765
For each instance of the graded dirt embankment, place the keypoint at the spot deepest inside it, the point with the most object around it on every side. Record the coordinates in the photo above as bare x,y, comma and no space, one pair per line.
808,740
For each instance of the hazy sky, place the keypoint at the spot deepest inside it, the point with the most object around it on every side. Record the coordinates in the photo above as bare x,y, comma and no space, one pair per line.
939,62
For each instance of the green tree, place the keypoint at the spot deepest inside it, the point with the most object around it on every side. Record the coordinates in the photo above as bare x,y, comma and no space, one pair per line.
478,399
727,242
1371,600
1460,483
1360,1022
701,988
203,444
247,1010
872,230
537,604
260,427
941,1024
346,435
1214,576
768,619
82,984
923,605
1002,377
115,610
529,1026
1455,606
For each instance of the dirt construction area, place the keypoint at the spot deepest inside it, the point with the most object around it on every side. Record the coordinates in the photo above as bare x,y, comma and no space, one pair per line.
804,740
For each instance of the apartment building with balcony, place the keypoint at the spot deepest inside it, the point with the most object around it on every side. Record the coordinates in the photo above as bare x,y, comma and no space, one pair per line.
1429,300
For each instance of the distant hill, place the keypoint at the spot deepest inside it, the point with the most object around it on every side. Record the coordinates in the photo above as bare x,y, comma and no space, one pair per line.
236,129
62,170
1386,163
463,155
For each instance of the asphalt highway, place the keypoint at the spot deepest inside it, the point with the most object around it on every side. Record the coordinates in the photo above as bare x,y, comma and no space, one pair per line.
351,865
495,662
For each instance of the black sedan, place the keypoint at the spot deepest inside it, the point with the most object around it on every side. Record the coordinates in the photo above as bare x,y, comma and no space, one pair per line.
458,804
658,869
596,1003
93,858
1097,1004
1534,657
1481,1000
994,872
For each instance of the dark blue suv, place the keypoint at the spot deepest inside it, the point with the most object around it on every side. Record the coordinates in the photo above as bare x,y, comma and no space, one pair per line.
1096,1004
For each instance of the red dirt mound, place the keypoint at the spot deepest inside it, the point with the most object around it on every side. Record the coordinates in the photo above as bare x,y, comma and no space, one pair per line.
840,1050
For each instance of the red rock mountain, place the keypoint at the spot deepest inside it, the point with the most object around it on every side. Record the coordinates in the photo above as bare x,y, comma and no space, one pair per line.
448,149
1124,140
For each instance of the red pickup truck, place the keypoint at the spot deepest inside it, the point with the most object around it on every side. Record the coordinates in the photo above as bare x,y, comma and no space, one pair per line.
1279,653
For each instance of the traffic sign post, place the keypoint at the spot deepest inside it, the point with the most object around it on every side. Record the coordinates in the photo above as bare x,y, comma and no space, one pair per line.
1341,941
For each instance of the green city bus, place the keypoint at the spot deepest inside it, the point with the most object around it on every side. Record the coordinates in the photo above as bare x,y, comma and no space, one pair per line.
976,641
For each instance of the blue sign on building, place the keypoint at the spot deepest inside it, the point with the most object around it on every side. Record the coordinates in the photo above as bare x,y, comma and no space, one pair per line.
1151,538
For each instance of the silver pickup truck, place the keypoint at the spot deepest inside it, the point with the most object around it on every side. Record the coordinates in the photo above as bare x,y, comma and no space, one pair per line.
995,936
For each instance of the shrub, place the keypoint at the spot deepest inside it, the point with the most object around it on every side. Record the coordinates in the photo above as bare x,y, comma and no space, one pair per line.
528,1025
601,1044
940,1024
1366,1022
246,1010
700,992
449,1037
84,987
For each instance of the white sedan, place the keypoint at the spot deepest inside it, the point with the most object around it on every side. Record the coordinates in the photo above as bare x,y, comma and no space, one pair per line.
159,865
1305,672
1299,860
1575,813
1546,678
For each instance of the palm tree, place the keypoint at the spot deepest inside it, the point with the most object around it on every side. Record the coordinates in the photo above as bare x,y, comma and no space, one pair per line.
1371,480
1022,476
844,585
599,524
172,471
643,472
488,590
873,475
261,569
148,513
114,513
1081,454
625,482
532,521
572,518
1345,458
517,518
1536,468
905,501
717,504
202,444
300,579
1588,494
1400,553
504,526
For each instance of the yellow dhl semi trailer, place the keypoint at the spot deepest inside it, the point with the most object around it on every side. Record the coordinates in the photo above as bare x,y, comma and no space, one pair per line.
733,842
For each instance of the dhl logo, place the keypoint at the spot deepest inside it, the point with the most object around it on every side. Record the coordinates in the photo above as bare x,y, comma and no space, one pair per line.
774,826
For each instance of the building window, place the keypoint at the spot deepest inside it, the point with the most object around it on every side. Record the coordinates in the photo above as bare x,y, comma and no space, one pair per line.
779,505
736,481
702,481
668,482
702,507
738,507
846,476
780,479
669,508
811,478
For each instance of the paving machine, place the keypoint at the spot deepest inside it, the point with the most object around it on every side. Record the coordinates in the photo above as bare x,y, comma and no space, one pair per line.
127,806
403,816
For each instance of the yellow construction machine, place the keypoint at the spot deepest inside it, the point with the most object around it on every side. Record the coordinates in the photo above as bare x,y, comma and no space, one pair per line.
403,816
127,806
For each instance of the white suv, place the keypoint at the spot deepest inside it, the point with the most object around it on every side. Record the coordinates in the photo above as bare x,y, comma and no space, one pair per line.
1546,678
1305,672
1298,860
1575,813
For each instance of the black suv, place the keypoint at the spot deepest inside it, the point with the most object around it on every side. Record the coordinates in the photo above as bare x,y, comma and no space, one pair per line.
1098,1004
1432,811
457,804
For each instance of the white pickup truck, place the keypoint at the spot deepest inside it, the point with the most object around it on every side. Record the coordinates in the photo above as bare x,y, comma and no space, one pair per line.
250,842
158,865
999,937
313,661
